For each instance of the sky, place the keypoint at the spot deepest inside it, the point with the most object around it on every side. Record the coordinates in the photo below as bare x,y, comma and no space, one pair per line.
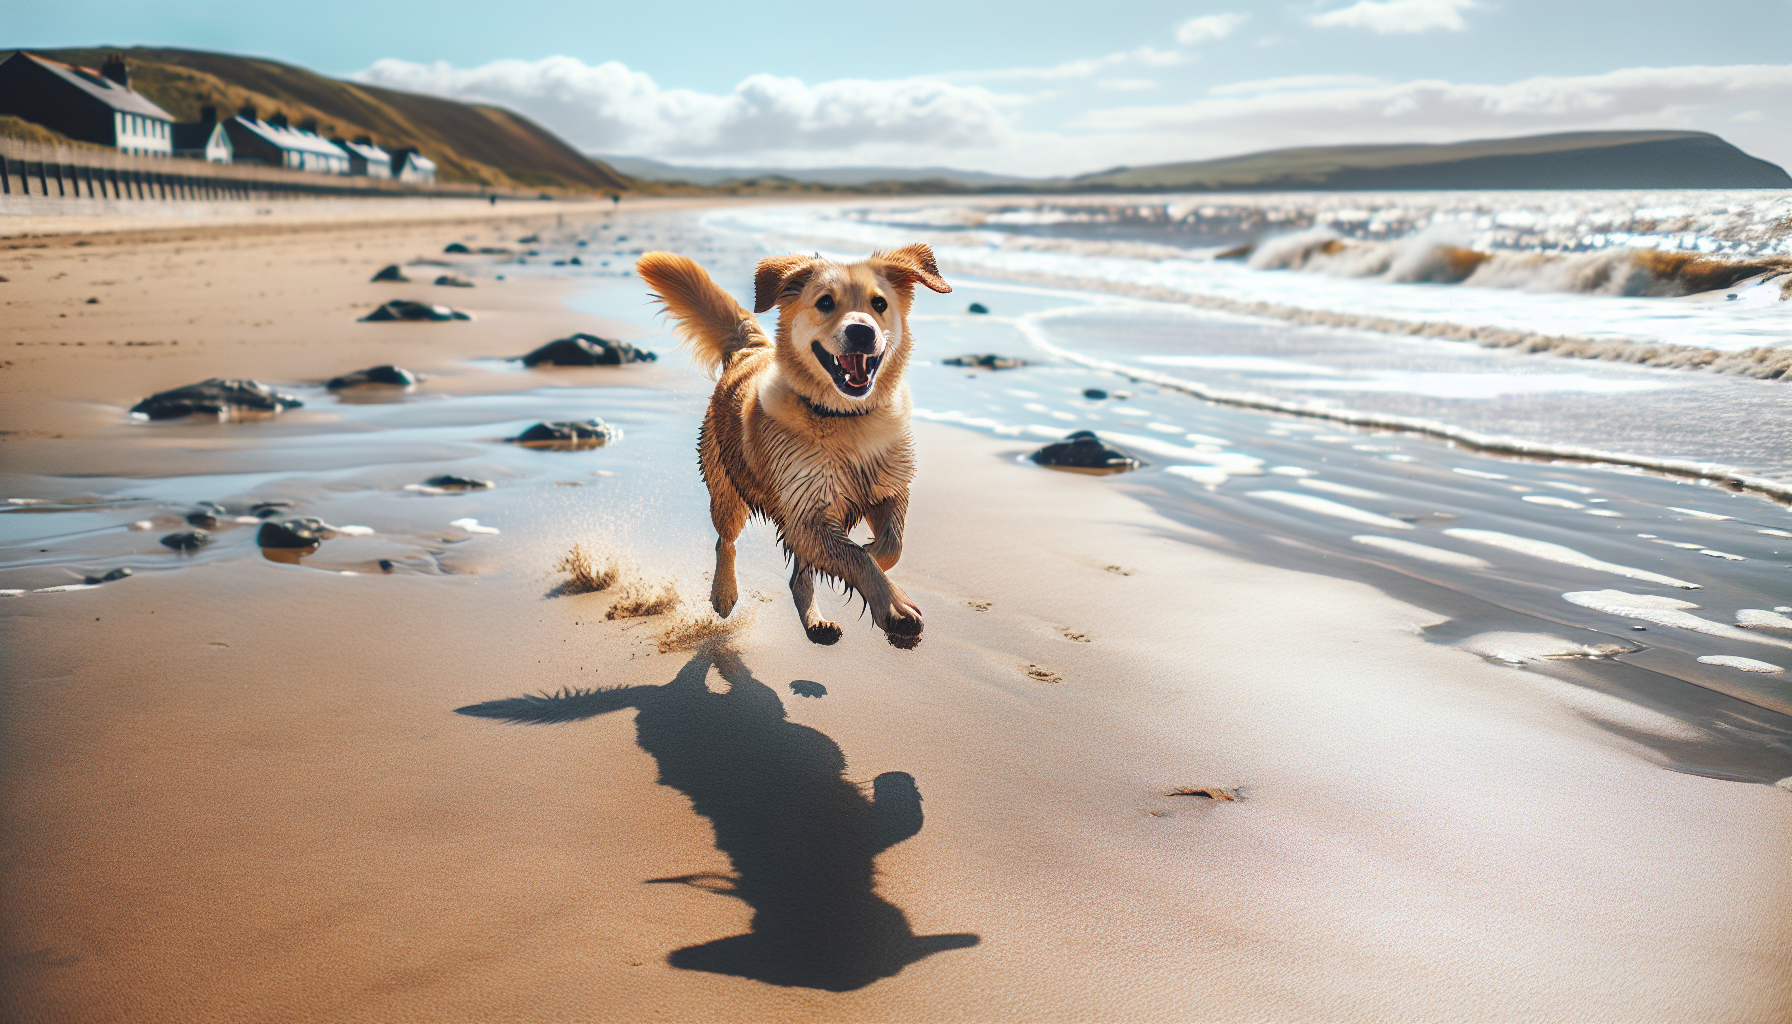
1039,88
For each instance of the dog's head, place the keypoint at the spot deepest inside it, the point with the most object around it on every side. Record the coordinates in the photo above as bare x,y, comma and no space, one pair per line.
842,326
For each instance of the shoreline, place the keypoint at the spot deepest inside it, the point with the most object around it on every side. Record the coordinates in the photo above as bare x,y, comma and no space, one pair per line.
1777,490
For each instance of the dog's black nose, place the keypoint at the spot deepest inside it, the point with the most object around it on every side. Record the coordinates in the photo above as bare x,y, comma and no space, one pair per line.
860,338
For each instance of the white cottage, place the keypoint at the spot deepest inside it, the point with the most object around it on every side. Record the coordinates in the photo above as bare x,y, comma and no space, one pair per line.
410,165
278,144
81,103
366,159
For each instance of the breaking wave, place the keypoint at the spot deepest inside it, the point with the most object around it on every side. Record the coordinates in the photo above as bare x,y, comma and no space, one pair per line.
1694,280
1441,255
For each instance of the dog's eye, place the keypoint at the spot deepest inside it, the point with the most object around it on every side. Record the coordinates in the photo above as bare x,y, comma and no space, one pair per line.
878,303
825,303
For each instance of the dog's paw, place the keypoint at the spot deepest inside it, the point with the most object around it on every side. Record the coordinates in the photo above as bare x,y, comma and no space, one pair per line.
824,633
903,631
903,642
723,603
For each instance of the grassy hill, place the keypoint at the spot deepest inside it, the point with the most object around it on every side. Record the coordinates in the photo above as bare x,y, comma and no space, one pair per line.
947,178
1629,159
1574,160
469,142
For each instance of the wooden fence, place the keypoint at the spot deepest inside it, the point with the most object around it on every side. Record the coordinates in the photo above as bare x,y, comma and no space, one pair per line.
30,169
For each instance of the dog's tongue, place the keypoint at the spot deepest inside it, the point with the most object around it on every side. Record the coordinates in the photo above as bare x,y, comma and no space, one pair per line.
857,372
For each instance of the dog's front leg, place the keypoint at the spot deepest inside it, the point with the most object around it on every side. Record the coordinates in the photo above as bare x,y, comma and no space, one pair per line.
729,514
886,519
802,589
824,546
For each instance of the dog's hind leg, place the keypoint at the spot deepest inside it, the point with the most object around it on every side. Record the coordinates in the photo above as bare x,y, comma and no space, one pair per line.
729,514
802,589
886,518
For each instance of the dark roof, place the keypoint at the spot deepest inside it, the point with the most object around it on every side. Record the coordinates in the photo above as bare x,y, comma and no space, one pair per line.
100,87
196,134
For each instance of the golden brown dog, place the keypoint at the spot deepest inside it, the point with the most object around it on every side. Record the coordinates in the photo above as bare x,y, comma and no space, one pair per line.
810,429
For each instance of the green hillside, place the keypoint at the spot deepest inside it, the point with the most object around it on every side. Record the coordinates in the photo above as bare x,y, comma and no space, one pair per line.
470,143
1658,159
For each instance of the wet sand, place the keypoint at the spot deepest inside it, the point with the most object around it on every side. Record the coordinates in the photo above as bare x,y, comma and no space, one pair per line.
239,789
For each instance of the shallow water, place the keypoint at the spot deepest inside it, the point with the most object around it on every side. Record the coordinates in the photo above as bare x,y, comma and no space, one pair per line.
1491,546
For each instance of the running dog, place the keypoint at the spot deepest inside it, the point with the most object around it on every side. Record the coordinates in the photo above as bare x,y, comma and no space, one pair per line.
808,429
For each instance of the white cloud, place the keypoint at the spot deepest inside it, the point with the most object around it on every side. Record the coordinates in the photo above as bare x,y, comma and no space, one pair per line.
1207,26
1082,68
1388,16
610,108
1291,83
1151,56
1421,110
776,121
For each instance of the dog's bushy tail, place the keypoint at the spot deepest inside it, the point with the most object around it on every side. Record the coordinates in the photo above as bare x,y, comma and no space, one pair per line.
708,319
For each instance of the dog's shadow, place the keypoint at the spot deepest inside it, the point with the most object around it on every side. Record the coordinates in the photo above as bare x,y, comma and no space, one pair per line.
801,838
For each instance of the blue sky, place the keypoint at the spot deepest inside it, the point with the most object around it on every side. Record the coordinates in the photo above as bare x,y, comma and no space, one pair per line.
1039,88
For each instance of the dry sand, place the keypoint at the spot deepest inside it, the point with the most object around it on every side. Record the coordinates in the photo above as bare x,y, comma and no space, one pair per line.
240,791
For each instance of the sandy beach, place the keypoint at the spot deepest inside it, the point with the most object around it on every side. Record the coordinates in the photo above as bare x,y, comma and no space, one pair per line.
1147,764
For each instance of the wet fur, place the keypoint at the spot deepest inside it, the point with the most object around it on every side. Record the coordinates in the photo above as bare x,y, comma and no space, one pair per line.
784,441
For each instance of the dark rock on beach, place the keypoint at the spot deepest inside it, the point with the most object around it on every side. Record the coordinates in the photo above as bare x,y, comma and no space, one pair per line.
456,247
568,434
264,509
220,397
293,533
587,350
1083,452
392,376
977,307
449,482
116,574
1094,394
451,281
391,273
191,541
988,361
405,309
207,516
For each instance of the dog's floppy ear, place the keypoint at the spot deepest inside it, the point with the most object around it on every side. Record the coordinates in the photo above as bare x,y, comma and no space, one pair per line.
909,264
779,276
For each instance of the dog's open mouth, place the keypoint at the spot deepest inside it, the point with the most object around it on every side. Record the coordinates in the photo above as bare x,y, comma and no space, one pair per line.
853,372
